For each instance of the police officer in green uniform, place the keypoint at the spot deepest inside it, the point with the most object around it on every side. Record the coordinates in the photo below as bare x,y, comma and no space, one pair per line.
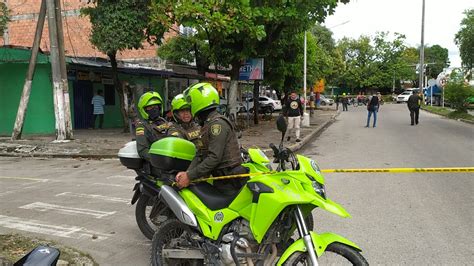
153,126
184,126
219,154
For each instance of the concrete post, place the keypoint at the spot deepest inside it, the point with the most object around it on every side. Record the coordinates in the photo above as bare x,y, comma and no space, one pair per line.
25,96
58,95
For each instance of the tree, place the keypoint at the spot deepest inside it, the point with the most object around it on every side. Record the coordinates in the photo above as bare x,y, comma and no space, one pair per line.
186,50
239,29
464,39
457,92
437,58
358,63
119,25
4,17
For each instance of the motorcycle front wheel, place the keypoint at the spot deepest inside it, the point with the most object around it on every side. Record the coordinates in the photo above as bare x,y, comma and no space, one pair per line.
335,254
170,235
150,212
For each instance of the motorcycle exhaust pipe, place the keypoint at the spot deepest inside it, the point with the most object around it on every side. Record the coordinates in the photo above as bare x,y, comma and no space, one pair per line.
178,206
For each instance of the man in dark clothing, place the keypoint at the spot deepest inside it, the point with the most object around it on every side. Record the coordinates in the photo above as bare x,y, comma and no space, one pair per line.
153,127
413,103
219,153
293,112
372,108
345,102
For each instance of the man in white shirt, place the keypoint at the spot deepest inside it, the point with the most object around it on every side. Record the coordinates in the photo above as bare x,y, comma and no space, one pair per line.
98,102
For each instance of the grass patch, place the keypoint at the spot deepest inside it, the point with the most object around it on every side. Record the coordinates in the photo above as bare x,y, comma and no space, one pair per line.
461,115
15,246
449,113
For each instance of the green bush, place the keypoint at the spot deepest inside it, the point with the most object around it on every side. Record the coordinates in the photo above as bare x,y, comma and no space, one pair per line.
457,93
4,17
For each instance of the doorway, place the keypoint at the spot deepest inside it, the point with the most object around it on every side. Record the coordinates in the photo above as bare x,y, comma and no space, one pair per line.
83,93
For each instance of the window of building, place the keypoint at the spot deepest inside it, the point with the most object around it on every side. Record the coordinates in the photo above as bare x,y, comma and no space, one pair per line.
109,94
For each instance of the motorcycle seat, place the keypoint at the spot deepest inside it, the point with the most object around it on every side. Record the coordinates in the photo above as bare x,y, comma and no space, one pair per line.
210,196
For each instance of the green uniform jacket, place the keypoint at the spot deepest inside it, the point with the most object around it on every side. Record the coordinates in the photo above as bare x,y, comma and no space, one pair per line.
189,131
219,149
148,132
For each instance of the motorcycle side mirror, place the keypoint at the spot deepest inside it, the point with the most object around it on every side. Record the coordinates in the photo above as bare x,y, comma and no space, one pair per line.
282,126
41,255
222,108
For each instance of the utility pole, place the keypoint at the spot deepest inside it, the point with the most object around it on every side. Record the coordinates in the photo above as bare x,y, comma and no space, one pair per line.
58,95
304,72
62,62
305,117
422,49
59,73
25,96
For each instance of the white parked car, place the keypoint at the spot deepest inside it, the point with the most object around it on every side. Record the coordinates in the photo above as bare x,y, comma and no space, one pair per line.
403,97
240,107
323,100
264,100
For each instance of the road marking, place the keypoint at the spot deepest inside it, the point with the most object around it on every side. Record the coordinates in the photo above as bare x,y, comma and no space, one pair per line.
112,185
33,184
25,178
92,196
403,170
41,206
120,176
48,229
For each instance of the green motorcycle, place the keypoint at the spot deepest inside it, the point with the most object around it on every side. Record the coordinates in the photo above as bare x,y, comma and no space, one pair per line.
254,227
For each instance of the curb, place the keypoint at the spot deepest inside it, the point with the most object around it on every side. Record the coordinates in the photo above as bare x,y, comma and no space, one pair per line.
297,146
69,156
459,119
294,147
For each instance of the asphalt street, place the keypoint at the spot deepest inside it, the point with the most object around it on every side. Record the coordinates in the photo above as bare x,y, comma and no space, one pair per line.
423,218
410,219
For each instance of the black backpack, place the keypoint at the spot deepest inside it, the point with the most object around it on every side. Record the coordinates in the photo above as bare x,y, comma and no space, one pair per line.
374,102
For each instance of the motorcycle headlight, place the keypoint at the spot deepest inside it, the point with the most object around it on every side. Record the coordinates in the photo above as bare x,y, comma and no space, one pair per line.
315,166
319,188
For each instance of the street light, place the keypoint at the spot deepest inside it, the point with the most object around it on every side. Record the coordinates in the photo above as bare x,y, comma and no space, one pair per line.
422,48
306,120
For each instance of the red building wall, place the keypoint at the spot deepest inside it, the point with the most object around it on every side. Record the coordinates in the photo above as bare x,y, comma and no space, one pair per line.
24,15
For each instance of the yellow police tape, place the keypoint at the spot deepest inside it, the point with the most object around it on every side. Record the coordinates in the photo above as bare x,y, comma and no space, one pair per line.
367,170
402,170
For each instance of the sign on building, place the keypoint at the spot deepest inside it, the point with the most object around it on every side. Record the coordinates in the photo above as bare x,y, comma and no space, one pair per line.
252,69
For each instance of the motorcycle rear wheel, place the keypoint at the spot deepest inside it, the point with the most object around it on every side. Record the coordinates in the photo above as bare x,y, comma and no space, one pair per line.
164,237
147,221
335,254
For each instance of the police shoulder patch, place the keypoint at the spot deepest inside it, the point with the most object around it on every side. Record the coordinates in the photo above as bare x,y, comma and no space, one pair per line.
216,129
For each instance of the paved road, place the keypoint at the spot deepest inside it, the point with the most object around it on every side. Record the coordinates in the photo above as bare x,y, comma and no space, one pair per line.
85,204
413,219
397,219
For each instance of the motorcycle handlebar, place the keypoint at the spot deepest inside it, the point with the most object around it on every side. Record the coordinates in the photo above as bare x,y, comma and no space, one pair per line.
276,151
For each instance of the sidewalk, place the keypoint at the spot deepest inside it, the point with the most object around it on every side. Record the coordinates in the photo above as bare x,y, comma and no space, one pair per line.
105,143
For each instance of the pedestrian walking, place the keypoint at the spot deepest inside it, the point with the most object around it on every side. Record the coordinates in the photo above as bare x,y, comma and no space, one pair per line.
293,113
413,103
345,102
338,99
372,109
312,106
98,102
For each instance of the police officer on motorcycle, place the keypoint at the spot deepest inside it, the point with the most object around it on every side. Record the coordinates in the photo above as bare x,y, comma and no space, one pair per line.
152,126
184,126
219,152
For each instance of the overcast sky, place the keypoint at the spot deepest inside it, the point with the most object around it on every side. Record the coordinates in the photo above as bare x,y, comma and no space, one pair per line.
365,17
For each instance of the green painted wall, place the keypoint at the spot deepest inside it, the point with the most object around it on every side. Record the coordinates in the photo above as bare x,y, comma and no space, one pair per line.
40,113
